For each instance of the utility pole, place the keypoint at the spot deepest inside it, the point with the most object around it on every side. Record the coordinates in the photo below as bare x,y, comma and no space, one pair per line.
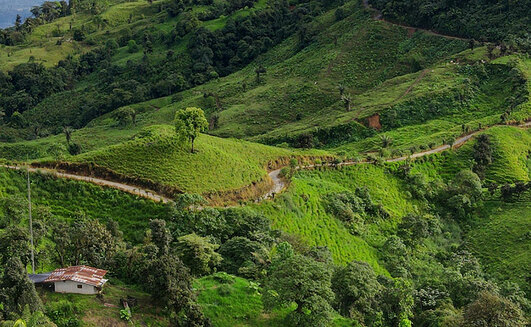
30,224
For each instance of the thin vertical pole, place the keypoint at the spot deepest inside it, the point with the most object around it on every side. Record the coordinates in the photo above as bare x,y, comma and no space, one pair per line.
30,224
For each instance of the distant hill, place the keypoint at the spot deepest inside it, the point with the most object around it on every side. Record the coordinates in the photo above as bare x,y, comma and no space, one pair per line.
9,10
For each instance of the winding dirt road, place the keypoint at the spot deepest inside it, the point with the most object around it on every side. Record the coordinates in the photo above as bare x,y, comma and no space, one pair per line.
377,15
148,194
279,184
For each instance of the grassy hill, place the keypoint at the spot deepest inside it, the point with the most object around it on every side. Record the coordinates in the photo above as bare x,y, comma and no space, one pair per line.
218,165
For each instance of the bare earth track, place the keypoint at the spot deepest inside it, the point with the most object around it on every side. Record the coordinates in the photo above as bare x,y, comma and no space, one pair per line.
279,184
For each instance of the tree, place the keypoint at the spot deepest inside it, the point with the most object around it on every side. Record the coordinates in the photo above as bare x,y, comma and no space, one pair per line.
198,254
341,89
68,134
305,282
238,252
396,256
16,290
14,243
347,100
169,280
132,47
124,116
160,235
356,288
386,140
13,210
18,22
464,193
492,310
86,241
396,301
259,71
482,154
79,35
189,123
414,228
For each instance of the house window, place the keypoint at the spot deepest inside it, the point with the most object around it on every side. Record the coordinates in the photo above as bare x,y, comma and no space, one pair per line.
79,286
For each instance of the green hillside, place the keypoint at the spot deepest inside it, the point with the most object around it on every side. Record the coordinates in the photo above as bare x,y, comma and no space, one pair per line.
218,165
322,163
501,240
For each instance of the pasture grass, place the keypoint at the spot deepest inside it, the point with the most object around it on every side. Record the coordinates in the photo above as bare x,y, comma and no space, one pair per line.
301,211
500,238
93,312
235,304
68,200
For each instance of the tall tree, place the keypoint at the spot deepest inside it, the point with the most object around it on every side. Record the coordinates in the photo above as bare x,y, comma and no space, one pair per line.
198,254
16,290
492,310
356,288
169,280
160,235
189,123
305,282
482,154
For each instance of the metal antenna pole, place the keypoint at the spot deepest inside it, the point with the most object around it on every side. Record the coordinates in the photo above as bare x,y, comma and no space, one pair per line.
30,223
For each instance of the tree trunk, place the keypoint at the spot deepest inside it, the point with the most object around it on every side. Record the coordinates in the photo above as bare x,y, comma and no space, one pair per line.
193,139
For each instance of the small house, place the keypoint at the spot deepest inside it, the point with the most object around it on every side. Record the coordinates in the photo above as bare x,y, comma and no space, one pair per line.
75,279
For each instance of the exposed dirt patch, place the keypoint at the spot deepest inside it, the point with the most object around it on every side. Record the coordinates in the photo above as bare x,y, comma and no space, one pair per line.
374,122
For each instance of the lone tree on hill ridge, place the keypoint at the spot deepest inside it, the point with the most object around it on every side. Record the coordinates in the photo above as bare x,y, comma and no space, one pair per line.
189,123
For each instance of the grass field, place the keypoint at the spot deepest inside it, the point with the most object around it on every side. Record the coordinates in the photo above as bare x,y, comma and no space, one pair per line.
502,241
510,147
239,304
301,211
93,312
67,200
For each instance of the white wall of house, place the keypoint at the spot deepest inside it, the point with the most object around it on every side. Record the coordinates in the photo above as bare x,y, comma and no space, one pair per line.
74,287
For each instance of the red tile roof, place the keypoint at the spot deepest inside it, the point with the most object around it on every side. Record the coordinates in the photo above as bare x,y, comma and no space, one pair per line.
79,274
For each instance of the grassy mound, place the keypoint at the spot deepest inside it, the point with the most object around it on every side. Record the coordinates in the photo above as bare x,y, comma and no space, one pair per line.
218,164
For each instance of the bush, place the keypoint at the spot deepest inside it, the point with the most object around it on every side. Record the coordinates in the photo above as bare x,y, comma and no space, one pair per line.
223,278
132,47
79,35
74,149
63,313
224,290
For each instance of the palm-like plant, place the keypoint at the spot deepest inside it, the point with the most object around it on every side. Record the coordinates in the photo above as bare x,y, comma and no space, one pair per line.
386,141
68,134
